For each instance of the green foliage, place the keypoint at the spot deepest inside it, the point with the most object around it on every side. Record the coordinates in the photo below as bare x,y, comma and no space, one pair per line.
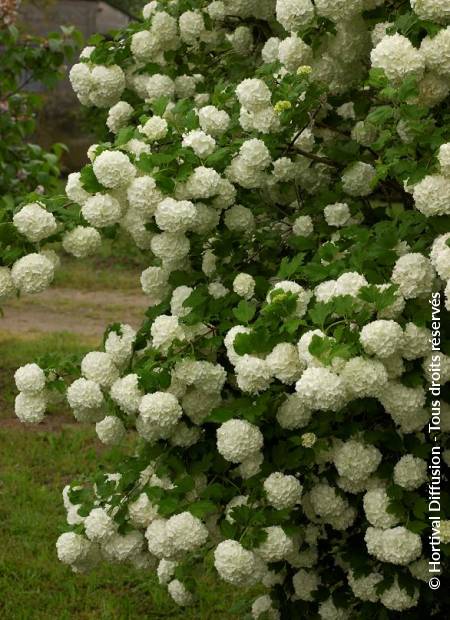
25,62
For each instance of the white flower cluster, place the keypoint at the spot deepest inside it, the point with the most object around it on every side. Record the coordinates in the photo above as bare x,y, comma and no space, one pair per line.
233,176
31,402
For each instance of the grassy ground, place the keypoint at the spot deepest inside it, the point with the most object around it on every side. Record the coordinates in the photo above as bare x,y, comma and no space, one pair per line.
117,265
33,584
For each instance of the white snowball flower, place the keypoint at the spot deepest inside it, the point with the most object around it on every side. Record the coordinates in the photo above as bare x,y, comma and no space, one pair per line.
404,405
159,85
185,533
305,584
284,363
236,565
185,86
200,142
414,275
142,512
244,285
98,366
398,599
358,179
321,389
122,548
161,410
175,216
30,379
229,342
444,155
432,10
440,256
35,222
217,289
262,606
269,51
30,407
277,546
286,286
101,210
119,115
250,466
293,413
154,282
303,226
293,14
399,59
143,195
81,79
355,460
376,504
253,94
99,526
394,545
432,195
191,26
179,296
82,241
203,183
107,85
410,472
114,169
164,331
436,51
7,288
293,53
252,374
158,544
179,593
242,40
165,571
119,344
416,342
206,219
239,219
155,128
382,338
143,46
84,394
328,610
32,273
213,121
282,491
337,214
110,430
72,548
238,439
364,377
364,587
255,154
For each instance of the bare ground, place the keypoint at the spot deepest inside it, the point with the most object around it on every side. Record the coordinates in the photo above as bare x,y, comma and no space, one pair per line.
69,310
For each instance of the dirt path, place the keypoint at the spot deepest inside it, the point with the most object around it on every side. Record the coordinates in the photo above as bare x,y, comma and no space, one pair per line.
69,310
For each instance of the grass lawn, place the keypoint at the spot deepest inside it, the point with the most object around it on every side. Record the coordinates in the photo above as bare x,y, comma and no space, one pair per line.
35,465
117,265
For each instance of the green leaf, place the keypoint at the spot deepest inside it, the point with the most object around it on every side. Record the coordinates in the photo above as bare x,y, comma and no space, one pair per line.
89,180
289,268
124,135
244,311
202,508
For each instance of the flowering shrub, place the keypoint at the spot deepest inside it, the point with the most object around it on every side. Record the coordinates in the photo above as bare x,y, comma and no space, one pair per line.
26,169
286,166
